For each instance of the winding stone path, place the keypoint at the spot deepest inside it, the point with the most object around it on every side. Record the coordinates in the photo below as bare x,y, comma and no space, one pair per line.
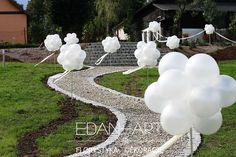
142,132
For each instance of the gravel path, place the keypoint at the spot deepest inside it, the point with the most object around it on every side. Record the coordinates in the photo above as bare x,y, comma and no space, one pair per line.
142,132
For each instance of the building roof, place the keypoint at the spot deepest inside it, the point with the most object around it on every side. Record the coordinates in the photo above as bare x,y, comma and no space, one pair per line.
18,6
168,5
225,7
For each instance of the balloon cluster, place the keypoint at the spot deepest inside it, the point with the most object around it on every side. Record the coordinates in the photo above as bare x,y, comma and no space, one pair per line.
53,42
209,28
190,93
71,38
154,26
147,54
71,55
111,44
173,42
72,58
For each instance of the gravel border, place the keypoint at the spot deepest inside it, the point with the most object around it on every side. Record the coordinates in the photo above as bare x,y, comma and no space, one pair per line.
113,140
120,124
195,135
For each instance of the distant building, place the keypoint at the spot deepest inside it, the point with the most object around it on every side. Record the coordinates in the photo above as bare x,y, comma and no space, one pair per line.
164,11
13,23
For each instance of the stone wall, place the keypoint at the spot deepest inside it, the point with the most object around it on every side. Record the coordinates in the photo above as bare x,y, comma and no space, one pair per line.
123,57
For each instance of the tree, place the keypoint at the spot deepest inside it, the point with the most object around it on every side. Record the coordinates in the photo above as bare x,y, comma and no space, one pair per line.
131,26
232,26
71,15
182,8
108,10
35,10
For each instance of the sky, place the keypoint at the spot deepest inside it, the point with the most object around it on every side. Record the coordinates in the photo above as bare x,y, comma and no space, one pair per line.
24,2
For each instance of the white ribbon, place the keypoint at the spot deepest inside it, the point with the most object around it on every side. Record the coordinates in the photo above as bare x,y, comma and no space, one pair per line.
192,36
133,70
99,61
45,59
225,38
164,41
164,147
62,75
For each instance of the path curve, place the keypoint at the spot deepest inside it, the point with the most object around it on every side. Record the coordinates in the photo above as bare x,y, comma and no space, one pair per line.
138,130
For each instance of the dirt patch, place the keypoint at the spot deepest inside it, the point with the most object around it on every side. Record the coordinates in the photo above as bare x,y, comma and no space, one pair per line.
27,146
228,53
9,59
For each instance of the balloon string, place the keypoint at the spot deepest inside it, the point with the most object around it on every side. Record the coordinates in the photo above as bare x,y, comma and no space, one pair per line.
133,70
62,75
192,35
159,34
164,41
44,59
99,61
225,38
164,147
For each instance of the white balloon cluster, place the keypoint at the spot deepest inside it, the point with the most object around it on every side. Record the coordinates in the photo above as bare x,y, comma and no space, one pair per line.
147,54
71,55
173,42
154,26
190,93
111,44
209,28
71,38
53,42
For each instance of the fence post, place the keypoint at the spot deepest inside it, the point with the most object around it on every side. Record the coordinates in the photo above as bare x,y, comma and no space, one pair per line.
3,58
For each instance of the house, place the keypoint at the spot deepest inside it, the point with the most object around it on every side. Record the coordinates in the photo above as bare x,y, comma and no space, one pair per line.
13,23
164,11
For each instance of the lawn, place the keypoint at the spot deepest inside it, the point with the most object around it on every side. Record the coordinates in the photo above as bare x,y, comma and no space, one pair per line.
221,144
26,105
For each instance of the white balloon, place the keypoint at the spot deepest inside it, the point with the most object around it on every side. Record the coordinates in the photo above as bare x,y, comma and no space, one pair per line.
154,26
71,38
111,44
71,57
141,44
172,60
138,53
175,121
173,42
209,125
209,28
153,98
174,85
147,54
53,42
204,101
227,87
201,69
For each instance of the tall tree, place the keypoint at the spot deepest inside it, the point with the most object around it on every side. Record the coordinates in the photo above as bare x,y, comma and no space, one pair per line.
131,26
35,10
108,10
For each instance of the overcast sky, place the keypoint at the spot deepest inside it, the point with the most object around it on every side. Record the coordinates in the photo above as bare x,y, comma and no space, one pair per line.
24,2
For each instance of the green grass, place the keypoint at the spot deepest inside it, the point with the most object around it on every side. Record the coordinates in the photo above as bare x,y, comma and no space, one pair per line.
26,104
221,144
134,84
